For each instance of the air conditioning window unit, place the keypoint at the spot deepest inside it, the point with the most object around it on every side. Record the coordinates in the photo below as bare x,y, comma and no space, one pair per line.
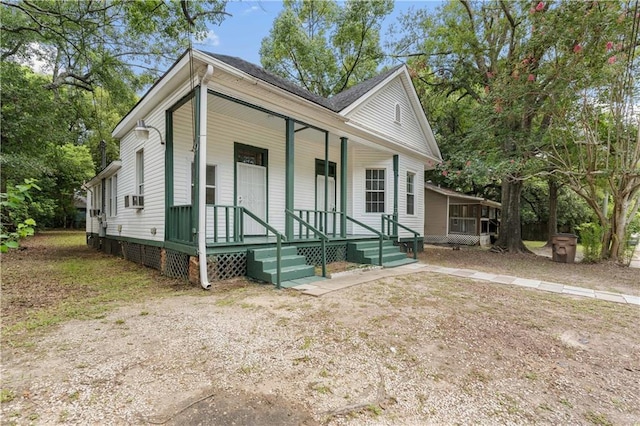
134,201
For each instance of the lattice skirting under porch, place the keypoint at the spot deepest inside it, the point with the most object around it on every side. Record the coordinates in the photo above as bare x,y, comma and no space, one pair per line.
313,254
463,239
221,266
224,266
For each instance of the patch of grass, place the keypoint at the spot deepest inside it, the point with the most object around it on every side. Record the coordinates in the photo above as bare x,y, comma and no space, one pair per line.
119,321
7,395
322,389
144,313
566,403
597,418
531,375
308,340
374,409
78,281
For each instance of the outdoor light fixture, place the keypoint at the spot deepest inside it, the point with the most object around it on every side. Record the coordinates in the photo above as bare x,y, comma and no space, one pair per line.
142,131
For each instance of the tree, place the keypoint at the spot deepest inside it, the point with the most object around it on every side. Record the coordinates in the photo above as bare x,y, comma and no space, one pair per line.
516,60
99,43
324,47
596,146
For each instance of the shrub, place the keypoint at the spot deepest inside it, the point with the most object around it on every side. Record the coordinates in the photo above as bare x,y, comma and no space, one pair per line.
591,238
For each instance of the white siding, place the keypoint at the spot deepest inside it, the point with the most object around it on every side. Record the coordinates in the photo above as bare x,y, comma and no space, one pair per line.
379,112
415,221
363,158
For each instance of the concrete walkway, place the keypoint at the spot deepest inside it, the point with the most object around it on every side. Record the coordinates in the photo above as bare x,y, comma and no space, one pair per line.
345,280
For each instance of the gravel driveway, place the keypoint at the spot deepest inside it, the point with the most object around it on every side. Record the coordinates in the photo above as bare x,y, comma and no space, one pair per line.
415,349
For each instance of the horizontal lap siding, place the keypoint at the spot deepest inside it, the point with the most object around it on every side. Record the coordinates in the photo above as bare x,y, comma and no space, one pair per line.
306,153
367,158
138,223
378,114
183,156
223,131
415,221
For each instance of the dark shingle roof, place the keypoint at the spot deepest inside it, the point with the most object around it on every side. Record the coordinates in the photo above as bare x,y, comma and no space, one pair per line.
336,103
352,94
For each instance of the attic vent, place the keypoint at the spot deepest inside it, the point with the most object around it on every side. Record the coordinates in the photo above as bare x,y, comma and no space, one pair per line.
397,120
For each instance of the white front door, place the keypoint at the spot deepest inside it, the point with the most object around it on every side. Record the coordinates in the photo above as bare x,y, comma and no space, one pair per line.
331,205
252,195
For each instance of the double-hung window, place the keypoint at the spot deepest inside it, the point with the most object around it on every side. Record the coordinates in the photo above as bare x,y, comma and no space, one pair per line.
111,196
411,180
140,172
210,184
374,190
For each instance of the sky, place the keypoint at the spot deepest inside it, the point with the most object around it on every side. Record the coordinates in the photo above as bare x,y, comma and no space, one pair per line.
241,34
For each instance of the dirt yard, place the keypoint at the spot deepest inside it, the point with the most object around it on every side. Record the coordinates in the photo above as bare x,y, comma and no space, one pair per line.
411,350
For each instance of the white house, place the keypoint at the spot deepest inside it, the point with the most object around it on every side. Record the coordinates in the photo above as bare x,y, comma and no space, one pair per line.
221,159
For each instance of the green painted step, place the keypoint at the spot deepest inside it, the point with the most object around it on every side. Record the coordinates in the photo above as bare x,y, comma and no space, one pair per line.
405,261
262,265
301,281
367,252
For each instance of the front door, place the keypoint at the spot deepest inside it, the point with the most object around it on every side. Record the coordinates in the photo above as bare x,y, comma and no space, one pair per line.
331,205
252,195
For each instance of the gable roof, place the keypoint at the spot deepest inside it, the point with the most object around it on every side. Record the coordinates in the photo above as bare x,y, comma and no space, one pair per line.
335,103
451,193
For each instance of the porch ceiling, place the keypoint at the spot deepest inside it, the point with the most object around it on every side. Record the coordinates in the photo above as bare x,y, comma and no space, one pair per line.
239,111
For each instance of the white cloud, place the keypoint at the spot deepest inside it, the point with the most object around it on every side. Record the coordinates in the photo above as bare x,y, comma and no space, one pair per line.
212,39
252,9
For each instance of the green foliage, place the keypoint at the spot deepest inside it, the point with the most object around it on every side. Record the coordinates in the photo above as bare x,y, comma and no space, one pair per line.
13,227
326,47
591,239
89,44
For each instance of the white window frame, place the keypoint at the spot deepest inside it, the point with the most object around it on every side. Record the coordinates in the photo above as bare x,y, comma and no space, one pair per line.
411,192
112,182
207,184
369,189
140,172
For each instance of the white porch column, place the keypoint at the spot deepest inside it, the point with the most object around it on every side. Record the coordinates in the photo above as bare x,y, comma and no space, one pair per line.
202,179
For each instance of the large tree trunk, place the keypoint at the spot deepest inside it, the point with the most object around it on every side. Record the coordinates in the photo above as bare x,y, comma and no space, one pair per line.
510,238
552,225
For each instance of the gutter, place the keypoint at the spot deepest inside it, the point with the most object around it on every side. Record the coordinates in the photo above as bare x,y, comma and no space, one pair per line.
202,178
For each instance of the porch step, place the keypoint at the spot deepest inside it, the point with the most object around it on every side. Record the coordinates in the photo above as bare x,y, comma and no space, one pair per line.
367,252
262,265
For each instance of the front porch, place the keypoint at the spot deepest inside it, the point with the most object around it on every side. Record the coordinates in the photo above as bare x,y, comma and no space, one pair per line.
320,238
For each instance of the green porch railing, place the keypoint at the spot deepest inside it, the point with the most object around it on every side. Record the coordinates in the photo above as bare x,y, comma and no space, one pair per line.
380,235
391,225
232,234
279,238
319,219
180,227
323,238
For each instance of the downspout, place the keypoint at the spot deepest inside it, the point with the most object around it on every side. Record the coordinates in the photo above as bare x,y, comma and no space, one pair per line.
202,178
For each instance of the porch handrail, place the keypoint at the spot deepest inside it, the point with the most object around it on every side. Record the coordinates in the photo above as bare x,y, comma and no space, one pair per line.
319,216
238,230
380,235
323,237
390,219
279,238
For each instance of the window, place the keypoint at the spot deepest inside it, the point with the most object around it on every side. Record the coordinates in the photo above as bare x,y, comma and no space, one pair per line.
210,184
140,172
374,191
397,118
111,193
320,168
411,177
